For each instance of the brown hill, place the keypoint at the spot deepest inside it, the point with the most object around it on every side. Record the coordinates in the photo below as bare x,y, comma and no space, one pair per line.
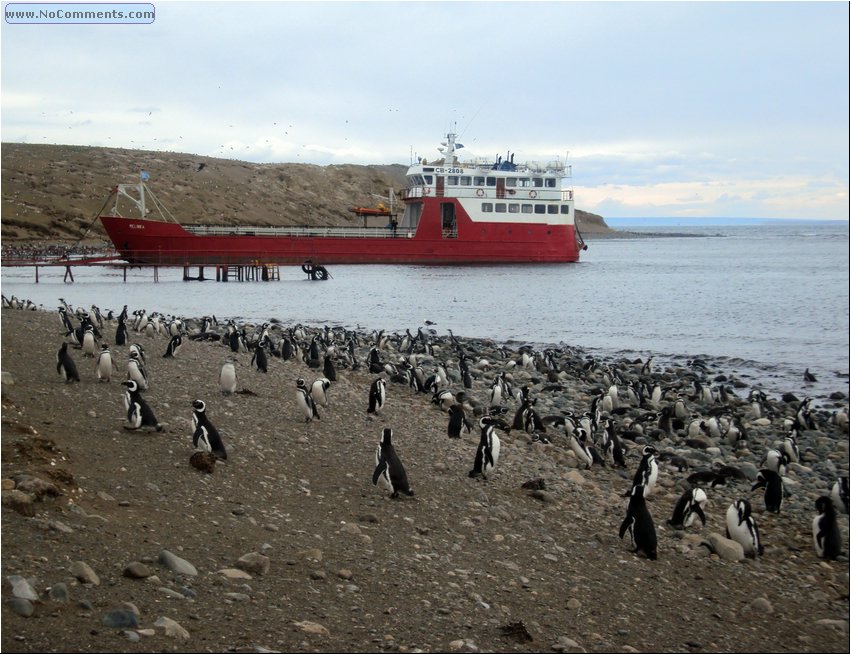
54,192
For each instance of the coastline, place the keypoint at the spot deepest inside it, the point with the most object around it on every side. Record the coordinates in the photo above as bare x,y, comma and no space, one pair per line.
401,575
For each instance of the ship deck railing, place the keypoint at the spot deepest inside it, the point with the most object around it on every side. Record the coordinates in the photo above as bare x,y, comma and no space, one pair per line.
304,232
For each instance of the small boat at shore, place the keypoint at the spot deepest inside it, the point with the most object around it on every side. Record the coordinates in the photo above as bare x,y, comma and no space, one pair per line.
478,212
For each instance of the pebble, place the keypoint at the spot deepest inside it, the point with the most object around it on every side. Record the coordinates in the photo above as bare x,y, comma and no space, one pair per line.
171,628
21,606
121,619
137,570
59,593
21,588
176,564
253,563
234,574
309,627
83,572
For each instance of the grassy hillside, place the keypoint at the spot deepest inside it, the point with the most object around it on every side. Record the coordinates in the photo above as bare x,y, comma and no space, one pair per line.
54,192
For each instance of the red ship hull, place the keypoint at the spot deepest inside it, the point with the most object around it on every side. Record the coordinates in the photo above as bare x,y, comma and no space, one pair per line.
472,242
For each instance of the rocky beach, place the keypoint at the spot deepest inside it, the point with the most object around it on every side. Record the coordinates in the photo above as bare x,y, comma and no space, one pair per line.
113,542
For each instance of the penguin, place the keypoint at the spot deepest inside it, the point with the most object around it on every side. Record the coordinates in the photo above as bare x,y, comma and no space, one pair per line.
771,482
743,529
638,522
305,401
136,371
487,454
610,444
790,447
173,346
121,330
319,391
328,368
840,494
261,359
139,414
647,472
206,437
377,395
227,378
287,351
104,364
457,421
388,467
65,365
88,342
578,444
140,352
825,532
809,377
687,508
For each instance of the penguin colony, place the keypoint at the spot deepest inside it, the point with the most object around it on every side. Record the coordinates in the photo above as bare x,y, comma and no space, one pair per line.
636,418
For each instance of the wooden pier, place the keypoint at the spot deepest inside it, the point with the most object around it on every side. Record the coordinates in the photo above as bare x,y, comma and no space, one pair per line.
223,272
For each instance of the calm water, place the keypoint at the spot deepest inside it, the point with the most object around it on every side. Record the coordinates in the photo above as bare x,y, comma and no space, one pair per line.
769,301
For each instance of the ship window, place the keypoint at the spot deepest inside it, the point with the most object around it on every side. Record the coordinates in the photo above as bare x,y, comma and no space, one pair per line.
528,208
427,170
466,180
479,181
551,182
491,181
487,207
565,208
539,208
429,179
451,180
513,207
501,207
537,182
510,181
524,181
553,208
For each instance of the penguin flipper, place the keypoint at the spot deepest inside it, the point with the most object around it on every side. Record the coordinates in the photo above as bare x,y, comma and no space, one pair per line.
699,512
628,521
379,470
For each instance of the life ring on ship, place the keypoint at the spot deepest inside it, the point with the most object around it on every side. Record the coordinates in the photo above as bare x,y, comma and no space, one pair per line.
480,193
532,194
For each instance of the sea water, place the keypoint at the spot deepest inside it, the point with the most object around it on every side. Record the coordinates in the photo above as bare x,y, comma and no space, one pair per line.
763,301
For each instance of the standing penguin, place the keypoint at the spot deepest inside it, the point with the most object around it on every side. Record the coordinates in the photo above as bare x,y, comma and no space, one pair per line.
121,329
742,528
227,378
457,421
377,395
487,454
65,365
638,522
305,401
88,342
328,368
647,472
139,414
825,531
136,371
261,359
206,436
104,364
687,508
771,482
173,346
319,391
578,444
388,467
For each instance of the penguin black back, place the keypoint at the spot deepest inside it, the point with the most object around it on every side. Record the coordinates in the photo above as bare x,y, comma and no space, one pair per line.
388,467
638,522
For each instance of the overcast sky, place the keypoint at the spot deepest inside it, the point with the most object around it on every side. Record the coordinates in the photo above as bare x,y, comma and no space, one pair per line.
663,109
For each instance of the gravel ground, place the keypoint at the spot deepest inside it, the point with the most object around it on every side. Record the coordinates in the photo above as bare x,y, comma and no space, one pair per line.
287,546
